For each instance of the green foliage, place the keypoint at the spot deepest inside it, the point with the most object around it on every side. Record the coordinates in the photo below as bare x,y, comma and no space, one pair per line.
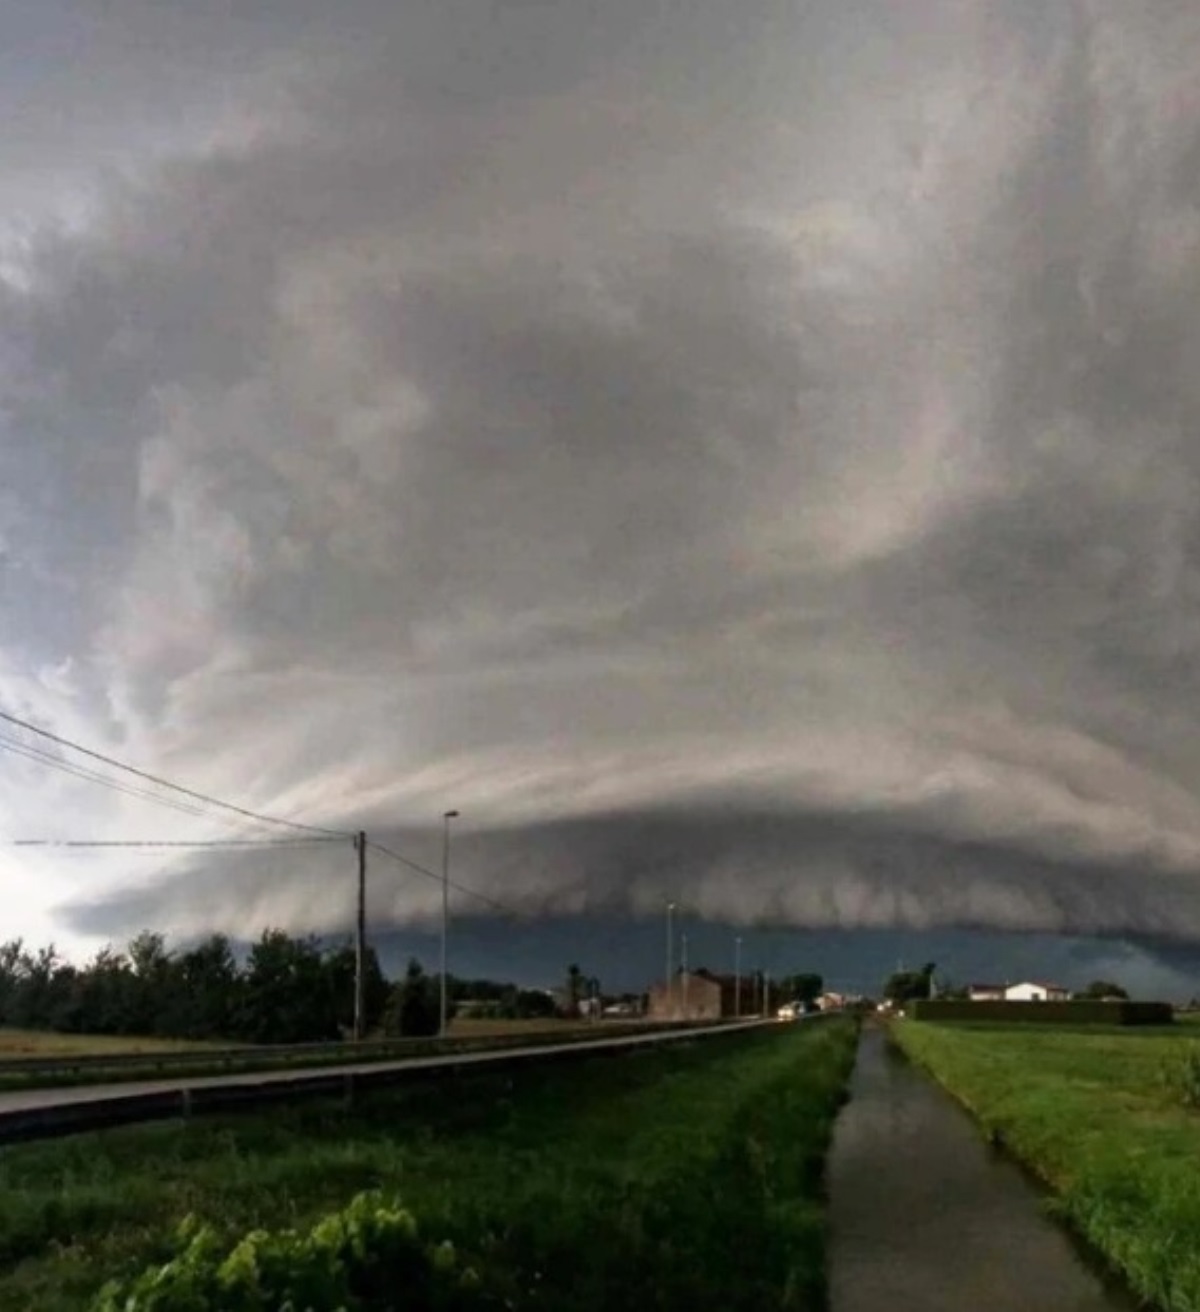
681,1179
360,1257
1102,988
414,1008
1090,1114
1180,1075
1046,1013
907,985
806,987
289,990
575,990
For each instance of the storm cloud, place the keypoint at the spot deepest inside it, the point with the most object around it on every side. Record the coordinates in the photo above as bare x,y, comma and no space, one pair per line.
745,454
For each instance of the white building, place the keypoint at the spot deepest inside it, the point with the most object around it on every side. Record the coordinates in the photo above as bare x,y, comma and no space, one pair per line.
986,992
1033,991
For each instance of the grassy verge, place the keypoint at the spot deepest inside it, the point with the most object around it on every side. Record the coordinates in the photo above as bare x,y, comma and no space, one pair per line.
685,1178
1094,1117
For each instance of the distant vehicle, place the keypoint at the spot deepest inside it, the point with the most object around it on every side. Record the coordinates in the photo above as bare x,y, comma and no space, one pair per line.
789,1011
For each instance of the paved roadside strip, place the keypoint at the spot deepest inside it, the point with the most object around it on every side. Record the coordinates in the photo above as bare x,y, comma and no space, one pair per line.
46,1113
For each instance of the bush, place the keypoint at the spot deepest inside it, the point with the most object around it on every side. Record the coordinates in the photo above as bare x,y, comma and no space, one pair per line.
367,1256
1047,1013
1180,1074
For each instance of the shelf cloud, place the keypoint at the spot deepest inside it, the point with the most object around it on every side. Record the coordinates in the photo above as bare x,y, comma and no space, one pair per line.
751,460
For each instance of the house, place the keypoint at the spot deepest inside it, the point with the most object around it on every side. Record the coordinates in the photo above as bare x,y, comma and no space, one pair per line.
701,995
985,992
831,1002
1034,991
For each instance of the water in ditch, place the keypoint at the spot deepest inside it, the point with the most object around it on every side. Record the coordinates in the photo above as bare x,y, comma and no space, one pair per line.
924,1215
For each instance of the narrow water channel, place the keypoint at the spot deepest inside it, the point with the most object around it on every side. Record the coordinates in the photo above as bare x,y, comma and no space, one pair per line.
925,1216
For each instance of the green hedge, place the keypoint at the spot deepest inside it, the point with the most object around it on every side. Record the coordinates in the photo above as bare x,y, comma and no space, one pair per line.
1046,1013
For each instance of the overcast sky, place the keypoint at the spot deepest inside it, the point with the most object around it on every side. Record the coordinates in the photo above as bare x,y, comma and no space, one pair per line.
746,453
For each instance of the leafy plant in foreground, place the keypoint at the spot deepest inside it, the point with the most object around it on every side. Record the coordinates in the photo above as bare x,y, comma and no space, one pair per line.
369,1255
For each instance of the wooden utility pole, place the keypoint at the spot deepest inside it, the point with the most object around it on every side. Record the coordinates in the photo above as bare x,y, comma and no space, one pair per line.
360,941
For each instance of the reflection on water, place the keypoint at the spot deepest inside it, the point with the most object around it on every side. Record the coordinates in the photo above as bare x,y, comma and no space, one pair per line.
925,1216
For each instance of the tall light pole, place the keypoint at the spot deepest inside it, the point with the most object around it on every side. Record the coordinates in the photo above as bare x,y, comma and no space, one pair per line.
683,963
444,1013
737,976
670,958
360,940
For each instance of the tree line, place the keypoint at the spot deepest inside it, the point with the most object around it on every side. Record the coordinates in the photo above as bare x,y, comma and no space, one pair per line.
283,990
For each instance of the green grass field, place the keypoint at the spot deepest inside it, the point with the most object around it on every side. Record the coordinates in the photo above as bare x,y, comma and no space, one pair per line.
688,1177
1093,1116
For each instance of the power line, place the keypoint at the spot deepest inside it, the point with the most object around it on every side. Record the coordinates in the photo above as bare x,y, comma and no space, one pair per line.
166,783
77,771
430,874
169,842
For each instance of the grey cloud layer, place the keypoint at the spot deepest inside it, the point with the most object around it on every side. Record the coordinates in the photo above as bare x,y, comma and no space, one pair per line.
759,460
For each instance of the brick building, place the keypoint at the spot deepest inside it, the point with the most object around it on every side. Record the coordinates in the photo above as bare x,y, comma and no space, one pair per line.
701,995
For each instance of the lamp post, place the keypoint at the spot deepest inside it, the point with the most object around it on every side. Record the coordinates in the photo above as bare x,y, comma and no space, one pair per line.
683,964
737,977
447,816
670,958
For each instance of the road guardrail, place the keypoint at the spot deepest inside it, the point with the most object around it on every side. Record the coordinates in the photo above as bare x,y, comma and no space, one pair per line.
43,1114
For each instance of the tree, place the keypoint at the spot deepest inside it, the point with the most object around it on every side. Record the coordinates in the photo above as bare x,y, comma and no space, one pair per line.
340,966
151,998
106,995
414,1008
533,1003
574,989
805,988
285,997
908,985
11,955
1101,988
211,990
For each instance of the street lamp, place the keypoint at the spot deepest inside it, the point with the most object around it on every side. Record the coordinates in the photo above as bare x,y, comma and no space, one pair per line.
737,977
447,816
670,956
683,963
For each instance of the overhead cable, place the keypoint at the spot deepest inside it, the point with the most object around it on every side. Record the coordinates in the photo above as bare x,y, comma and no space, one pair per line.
431,874
192,793
169,842
77,771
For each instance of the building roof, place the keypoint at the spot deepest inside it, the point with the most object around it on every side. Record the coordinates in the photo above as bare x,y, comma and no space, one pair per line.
726,981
